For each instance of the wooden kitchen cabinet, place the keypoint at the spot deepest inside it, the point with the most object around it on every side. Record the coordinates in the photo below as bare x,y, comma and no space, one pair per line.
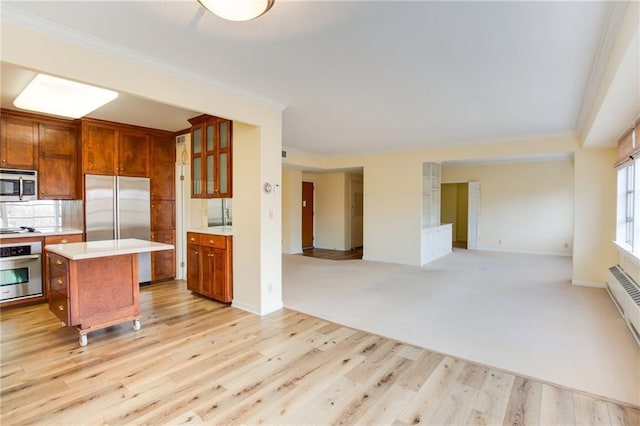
18,141
211,163
114,149
86,296
58,177
163,263
55,239
163,167
163,211
209,266
133,153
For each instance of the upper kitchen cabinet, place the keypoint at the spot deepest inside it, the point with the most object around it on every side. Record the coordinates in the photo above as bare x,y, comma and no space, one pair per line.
58,165
163,160
19,141
211,142
114,149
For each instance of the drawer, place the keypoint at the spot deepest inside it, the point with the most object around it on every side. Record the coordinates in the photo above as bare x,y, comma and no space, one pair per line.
57,261
63,239
59,305
207,240
215,241
59,280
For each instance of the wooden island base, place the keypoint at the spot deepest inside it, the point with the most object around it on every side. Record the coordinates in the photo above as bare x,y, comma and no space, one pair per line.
91,294
95,285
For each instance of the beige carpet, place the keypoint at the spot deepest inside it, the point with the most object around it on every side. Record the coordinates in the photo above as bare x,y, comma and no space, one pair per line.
516,312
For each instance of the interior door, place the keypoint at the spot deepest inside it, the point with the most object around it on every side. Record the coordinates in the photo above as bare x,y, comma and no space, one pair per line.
307,215
357,209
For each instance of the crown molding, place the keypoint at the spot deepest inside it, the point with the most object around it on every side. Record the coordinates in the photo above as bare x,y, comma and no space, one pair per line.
90,42
615,15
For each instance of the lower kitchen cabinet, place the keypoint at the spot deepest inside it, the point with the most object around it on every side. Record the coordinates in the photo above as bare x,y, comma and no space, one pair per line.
163,263
209,266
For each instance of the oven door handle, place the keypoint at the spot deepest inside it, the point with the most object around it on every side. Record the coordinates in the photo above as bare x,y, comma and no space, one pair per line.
20,258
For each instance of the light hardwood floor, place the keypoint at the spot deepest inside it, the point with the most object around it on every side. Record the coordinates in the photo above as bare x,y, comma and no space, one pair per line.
197,361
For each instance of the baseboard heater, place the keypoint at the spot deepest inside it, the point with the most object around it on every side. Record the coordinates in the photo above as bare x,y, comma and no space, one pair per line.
625,293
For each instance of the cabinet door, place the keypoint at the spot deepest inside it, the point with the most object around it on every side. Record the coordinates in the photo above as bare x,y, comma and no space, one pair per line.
197,162
193,267
163,181
99,144
57,169
163,263
19,142
163,157
163,215
224,160
208,266
133,154
219,289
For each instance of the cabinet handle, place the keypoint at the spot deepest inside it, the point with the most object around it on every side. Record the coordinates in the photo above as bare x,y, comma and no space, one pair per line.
4,161
65,241
42,192
61,308
210,241
197,252
192,239
59,281
58,262
209,255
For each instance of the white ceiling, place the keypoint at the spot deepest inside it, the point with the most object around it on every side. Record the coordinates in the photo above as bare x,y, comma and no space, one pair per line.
353,76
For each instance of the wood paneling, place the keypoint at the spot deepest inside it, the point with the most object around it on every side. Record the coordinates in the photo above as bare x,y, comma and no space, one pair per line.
198,361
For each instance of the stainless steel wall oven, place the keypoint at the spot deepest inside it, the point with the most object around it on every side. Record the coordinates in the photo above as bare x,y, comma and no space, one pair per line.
20,270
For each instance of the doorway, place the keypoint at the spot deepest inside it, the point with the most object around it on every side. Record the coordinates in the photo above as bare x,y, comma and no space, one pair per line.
357,211
460,206
307,215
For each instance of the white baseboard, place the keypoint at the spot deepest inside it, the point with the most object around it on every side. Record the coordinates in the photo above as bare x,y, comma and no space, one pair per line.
539,253
589,284
258,310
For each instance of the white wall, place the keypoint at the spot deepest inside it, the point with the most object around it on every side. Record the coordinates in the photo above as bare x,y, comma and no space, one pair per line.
524,207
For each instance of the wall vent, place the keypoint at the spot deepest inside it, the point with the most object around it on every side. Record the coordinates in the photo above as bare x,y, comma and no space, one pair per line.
181,140
625,293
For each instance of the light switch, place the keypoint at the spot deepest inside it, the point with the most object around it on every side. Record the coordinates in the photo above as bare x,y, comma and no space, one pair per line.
304,203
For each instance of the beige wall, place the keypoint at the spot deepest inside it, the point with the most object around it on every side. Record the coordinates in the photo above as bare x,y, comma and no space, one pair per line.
449,210
393,197
329,209
462,212
524,207
291,211
257,215
595,215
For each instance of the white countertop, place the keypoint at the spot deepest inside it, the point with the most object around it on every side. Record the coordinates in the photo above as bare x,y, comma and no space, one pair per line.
93,249
44,232
214,230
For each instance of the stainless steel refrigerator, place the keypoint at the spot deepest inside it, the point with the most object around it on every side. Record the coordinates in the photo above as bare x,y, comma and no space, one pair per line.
118,207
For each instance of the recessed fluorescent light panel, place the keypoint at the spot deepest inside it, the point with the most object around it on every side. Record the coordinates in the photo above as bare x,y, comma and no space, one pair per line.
57,96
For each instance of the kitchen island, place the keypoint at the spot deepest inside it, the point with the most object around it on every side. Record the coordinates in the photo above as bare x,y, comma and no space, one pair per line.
95,284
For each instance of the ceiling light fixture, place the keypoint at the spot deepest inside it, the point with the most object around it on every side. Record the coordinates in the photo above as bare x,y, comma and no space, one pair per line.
57,96
237,10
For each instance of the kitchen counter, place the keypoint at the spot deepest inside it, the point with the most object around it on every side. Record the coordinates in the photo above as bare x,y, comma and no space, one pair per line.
93,249
215,230
44,232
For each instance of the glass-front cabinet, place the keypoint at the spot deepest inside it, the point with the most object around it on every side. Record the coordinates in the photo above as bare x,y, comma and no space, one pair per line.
210,157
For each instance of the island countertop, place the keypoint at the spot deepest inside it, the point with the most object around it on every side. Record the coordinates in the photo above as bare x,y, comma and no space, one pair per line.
93,249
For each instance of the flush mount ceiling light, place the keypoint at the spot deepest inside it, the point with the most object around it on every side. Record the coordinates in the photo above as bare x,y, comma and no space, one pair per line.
57,96
237,10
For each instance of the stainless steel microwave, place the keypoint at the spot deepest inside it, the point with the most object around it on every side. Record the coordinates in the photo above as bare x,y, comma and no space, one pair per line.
18,185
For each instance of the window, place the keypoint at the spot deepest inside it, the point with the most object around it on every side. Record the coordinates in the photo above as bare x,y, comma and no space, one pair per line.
37,214
629,205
